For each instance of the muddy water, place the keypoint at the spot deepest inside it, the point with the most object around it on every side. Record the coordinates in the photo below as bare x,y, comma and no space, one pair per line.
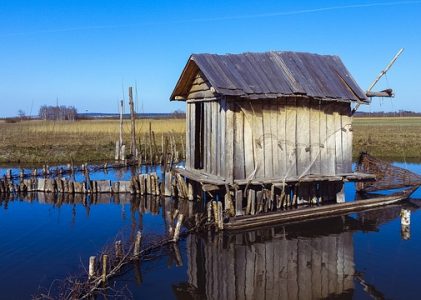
360,256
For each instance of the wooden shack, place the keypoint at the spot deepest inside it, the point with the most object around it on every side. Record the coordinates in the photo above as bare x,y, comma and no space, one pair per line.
267,116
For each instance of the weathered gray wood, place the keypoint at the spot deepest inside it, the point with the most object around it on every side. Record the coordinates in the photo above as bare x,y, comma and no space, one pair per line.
208,136
347,139
201,94
274,114
229,143
239,203
258,142
222,131
239,162
324,165
204,86
103,186
331,141
281,142
214,141
133,149
267,140
303,137
291,142
248,141
189,124
315,139
338,143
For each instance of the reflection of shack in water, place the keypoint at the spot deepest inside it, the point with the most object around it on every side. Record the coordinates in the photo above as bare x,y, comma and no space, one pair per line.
269,265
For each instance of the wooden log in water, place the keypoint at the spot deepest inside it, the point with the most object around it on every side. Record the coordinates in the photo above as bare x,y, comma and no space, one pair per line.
118,245
92,262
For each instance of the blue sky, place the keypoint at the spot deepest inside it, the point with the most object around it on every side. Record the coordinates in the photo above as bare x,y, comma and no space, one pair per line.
84,52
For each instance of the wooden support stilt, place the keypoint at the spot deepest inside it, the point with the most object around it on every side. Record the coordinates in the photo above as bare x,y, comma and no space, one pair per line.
239,203
92,262
104,267
340,192
167,185
259,201
118,249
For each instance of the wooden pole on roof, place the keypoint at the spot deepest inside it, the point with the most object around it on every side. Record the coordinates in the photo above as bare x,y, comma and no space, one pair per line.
133,121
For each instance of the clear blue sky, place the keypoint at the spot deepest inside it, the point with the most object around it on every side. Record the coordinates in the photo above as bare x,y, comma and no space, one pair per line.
84,52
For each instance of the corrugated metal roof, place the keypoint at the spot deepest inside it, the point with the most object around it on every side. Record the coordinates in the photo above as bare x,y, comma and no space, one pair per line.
272,74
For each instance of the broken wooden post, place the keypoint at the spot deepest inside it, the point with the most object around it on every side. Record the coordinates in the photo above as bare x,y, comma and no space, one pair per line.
104,267
167,185
178,228
91,272
133,126
137,244
405,222
118,249
190,195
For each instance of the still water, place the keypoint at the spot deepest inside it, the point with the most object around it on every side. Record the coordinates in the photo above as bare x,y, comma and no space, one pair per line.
358,256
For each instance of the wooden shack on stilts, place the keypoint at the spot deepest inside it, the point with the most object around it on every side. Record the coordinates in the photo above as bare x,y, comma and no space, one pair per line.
269,130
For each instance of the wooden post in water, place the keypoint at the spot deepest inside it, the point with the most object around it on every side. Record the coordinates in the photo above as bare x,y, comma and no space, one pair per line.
133,122
137,244
91,272
178,227
104,267
118,249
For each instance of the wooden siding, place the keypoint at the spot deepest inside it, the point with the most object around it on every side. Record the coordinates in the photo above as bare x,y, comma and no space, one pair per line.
250,267
272,139
200,88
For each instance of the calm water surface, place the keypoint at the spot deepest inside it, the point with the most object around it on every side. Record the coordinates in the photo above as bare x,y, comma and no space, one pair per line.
358,256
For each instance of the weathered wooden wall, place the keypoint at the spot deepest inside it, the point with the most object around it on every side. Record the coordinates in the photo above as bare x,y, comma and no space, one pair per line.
276,138
312,268
291,137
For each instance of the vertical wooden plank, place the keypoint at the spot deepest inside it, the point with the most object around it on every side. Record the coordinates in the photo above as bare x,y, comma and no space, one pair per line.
274,113
217,112
324,275
347,138
349,267
239,203
188,134
267,140
240,272
331,140
269,271
259,272
192,142
292,269
258,142
316,268
281,147
303,137
291,138
250,265
338,141
315,138
324,165
222,131
205,136
239,168
248,141
210,154
213,154
229,142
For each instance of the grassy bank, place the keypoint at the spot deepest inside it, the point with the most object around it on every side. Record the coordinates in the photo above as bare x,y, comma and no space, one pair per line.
88,140
94,140
392,138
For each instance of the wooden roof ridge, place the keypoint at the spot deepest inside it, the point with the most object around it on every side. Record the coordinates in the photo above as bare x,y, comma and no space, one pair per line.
273,74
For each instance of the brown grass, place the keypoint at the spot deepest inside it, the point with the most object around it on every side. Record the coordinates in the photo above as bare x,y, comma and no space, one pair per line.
94,140
88,140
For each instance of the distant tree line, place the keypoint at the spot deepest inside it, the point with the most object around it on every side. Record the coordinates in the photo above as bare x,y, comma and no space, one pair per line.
57,113
400,113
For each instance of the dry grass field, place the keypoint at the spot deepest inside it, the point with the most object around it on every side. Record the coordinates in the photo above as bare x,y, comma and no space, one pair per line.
392,138
94,140
81,141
